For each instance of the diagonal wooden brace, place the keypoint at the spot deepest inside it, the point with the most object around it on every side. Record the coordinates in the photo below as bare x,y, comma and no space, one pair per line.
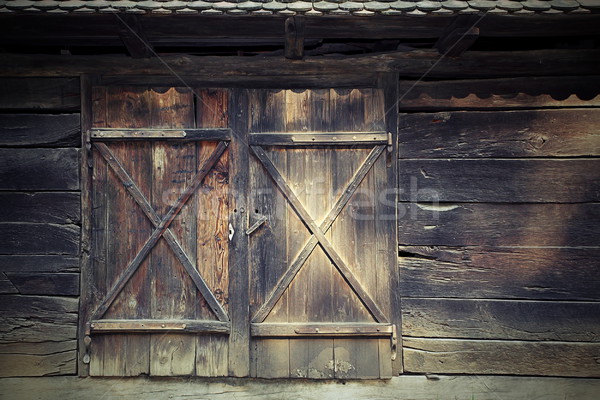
317,232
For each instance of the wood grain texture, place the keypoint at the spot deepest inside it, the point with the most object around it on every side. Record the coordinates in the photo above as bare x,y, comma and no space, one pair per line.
500,181
502,273
45,283
535,133
465,224
501,357
38,359
39,169
239,298
60,94
414,387
57,207
494,319
40,130
476,64
37,335
31,238
39,263
212,249
530,92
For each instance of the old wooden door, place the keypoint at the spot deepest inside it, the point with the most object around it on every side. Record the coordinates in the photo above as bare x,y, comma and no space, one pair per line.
286,205
159,273
322,234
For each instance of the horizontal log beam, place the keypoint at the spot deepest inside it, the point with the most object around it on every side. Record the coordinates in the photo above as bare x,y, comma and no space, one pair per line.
408,64
181,30
144,325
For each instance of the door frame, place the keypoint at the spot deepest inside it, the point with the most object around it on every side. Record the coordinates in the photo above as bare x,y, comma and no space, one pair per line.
239,107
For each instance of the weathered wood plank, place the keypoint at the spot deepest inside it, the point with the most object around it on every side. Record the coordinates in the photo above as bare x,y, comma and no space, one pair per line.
38,359
267,252
386,234
540,133
412,387
493,272
40,207
465,224
493,319
45,283
39,130
37,263
60,94
500,181
6,286
39,169
212,249
409,64
34,319
531,92
501,357
28,238
239,298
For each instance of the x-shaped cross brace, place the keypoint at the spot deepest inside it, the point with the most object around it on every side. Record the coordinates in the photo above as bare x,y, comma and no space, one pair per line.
161,228
318,235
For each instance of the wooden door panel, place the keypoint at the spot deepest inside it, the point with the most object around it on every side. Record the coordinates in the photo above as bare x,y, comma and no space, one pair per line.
330,236
136,185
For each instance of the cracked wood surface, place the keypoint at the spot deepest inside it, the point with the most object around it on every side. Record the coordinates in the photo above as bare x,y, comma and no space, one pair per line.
398,388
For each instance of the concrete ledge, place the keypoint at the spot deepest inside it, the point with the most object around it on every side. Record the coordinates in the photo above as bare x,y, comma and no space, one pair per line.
399,388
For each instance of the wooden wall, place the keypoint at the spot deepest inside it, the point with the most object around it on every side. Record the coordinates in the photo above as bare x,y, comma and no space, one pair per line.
499,226
498,230
39,226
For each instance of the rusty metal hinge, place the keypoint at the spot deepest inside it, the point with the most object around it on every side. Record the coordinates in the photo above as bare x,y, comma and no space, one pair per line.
394,343
390,149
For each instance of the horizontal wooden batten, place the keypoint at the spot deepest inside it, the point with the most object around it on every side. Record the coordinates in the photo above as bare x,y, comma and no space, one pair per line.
454,356
480,64
484,224
532,133
500,180
48,94
161,134
39,130
39,169
321,329
503,93
308,138
500,272
55,207
495,319
142,325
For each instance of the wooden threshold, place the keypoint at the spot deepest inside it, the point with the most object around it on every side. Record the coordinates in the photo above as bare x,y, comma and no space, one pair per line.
150,325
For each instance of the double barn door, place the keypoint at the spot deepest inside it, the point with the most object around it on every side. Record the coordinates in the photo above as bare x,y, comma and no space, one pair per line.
241,233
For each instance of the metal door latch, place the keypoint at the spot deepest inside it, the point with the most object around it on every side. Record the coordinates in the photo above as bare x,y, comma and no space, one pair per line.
261,220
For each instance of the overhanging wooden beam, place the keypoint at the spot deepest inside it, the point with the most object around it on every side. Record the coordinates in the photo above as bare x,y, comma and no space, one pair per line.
409,64
103,29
